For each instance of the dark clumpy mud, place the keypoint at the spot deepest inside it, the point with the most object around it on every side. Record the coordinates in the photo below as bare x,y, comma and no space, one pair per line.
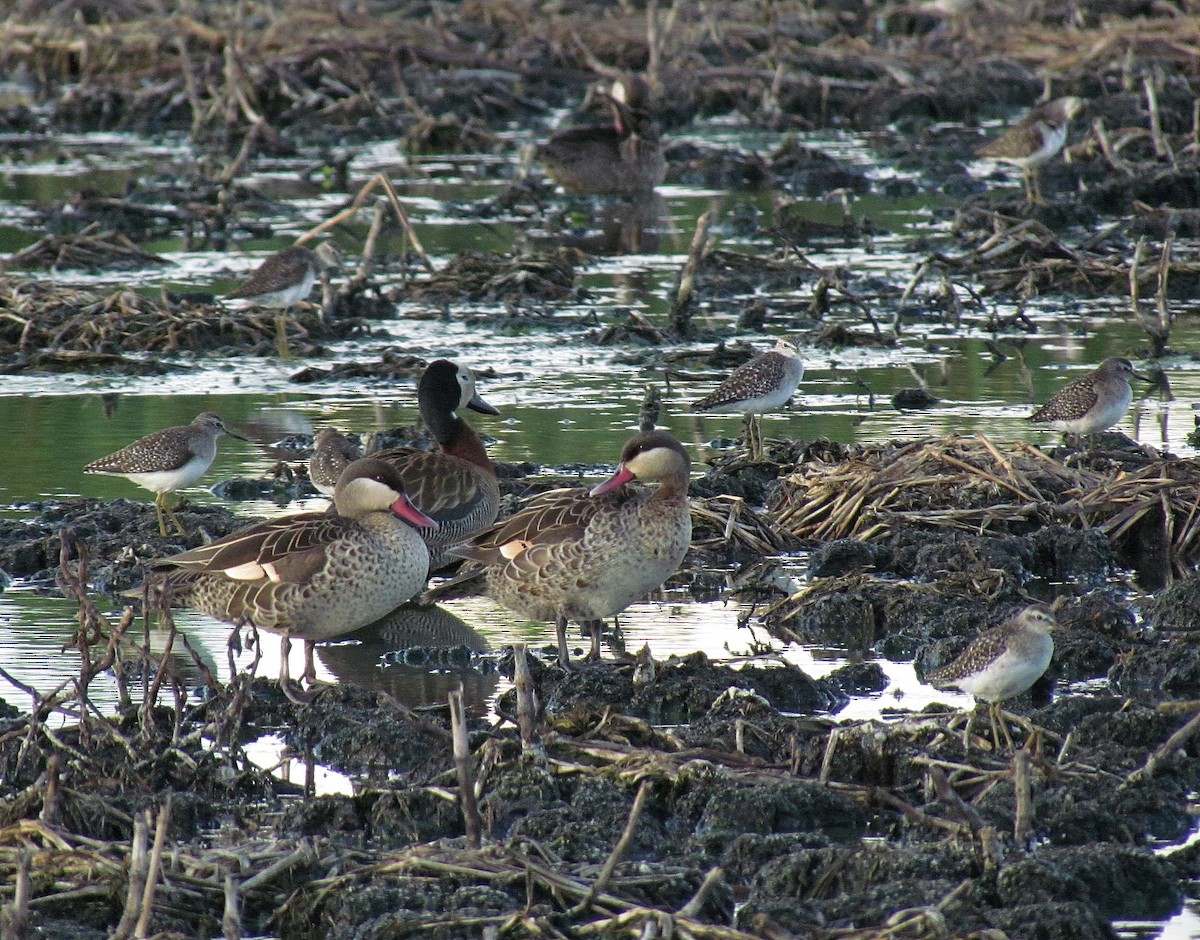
814,827
681,797
728,799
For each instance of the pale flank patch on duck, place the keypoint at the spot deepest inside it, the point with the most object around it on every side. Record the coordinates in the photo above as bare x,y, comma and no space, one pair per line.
311,575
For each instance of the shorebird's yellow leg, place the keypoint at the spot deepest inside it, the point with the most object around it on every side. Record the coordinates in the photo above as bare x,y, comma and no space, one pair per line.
281,336
162,505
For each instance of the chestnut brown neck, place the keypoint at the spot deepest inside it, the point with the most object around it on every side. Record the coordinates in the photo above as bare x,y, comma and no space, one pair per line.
465,444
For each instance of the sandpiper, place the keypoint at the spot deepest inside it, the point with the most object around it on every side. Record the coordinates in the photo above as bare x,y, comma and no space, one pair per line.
763,384
283,280
1004,661
332,451
1034,140
1093,402
167,460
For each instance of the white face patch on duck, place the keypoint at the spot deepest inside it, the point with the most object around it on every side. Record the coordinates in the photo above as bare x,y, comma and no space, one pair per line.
366,494
466,382
652,464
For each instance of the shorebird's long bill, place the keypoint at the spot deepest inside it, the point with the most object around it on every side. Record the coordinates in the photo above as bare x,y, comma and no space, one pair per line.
239,437
404,508
615,482
478,404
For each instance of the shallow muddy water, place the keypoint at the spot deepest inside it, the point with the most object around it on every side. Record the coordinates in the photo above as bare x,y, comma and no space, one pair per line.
565,402
891,786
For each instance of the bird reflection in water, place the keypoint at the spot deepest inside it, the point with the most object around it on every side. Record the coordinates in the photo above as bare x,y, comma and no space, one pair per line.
418,654
615,226
139,656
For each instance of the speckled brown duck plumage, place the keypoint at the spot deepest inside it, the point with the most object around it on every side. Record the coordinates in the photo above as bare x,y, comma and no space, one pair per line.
332,453
456,484
167,460
586,555
311,575
624,157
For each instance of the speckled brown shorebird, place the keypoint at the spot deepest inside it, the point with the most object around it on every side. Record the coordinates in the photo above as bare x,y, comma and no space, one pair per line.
312,575
283,280
167,460
585,555
455,484
763,384
1002,662
624,157
332,452
1034,140
1093,402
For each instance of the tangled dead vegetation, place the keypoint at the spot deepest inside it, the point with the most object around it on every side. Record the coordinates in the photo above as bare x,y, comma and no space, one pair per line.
537,276
1141,502
580,817
90,249
45,318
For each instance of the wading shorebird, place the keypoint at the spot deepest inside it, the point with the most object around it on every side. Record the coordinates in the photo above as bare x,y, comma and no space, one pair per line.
332,453
1093,402
1034,140
167,460
763,384
1002,662
283,280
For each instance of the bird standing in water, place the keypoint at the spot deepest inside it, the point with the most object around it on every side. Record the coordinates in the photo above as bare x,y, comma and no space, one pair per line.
167,460
763,384
585,555
623,157
1033,141
311,575
1093,402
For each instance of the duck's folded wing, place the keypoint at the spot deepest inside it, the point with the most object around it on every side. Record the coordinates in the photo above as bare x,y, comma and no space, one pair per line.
288,549
444,486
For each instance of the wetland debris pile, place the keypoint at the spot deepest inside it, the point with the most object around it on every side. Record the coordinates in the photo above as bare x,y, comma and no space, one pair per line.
88,250
1145,503
591,819
46,324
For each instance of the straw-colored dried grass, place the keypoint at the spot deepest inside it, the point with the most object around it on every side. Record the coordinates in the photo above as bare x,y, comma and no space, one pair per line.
974,484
